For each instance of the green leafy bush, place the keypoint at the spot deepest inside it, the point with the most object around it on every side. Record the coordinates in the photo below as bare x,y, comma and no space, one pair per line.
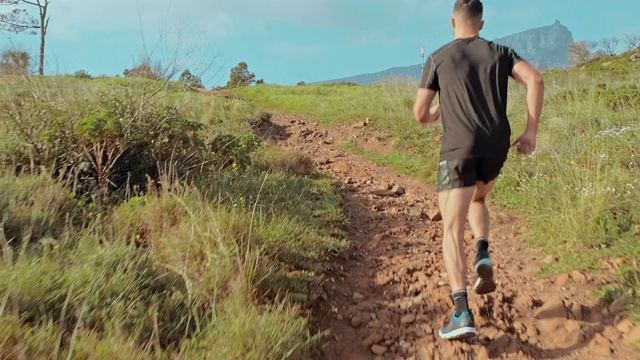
116,137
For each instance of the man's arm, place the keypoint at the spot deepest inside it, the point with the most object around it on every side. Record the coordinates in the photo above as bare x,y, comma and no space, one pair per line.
531,77
422,110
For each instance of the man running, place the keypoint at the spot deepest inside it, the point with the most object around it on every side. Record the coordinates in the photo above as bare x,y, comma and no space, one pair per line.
471,76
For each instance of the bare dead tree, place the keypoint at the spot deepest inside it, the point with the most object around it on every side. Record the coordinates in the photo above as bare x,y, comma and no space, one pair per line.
581,52
178,48
609,45
632,41
18,21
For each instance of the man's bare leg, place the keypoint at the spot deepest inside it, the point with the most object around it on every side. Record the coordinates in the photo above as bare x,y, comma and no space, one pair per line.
454,206
479,222
478,212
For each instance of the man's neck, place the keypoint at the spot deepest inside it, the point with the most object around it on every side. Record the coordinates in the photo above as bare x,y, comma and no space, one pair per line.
464,34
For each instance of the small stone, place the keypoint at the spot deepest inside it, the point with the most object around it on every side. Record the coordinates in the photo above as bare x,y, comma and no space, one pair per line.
434,215
550,259
519,327
398,190
427,329
408,319
404,345
578,276
372,339
358,296
356,321
378,349
384,192
563,279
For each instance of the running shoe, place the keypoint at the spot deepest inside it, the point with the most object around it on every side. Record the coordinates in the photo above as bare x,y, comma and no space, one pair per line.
460,327
485,283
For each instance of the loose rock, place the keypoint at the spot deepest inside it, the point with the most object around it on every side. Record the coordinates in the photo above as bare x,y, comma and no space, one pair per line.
372,339
434,215
408,319
378,349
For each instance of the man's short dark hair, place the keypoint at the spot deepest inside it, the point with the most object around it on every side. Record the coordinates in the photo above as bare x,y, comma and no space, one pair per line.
469,9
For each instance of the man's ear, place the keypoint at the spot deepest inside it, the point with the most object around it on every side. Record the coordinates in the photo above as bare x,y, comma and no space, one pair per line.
481,25
453,22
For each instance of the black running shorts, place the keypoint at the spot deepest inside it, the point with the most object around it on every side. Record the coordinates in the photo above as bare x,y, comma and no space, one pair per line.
466,172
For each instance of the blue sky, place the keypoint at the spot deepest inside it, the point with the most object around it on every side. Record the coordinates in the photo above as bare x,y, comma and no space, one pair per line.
286,41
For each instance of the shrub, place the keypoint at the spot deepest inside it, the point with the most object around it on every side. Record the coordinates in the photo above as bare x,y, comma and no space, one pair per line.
82,74
119,136
240,76
190,81
143,70
15,63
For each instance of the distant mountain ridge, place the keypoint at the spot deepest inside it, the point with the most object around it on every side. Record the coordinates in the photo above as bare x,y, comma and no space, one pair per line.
545,47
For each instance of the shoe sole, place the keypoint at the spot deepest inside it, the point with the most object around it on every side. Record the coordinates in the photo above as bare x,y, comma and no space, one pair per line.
458,334
485,283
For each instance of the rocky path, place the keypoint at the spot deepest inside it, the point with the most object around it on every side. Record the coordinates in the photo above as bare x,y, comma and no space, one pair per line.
388,296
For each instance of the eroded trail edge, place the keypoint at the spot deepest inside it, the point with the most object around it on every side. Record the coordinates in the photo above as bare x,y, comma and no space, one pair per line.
388,295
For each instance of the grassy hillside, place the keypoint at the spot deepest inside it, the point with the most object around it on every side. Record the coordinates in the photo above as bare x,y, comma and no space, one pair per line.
580,191
139,220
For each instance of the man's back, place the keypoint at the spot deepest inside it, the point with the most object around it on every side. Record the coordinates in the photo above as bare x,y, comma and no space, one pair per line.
471,75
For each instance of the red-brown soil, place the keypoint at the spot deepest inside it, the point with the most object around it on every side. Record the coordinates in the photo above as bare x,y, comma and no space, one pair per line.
388,295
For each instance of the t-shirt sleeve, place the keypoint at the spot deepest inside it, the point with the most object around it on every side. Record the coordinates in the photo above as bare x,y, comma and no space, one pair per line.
430,76
513,58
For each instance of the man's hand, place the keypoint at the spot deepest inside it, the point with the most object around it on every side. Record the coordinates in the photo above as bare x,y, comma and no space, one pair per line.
435,112
423,112
526,143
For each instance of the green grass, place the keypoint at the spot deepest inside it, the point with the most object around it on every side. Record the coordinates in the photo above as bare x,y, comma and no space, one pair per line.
579,192
388,107
216,262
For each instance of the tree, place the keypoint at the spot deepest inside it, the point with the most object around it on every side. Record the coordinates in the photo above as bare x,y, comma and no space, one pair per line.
143,70
240,76
581,52
18,20
190,81
15,63
609,45
632,41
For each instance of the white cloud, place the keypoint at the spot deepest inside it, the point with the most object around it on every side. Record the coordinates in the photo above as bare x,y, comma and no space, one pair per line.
222,18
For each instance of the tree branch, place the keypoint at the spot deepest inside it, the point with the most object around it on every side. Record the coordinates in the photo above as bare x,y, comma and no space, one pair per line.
32,3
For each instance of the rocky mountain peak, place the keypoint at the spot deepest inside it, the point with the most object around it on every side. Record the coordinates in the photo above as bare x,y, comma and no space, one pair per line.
545,47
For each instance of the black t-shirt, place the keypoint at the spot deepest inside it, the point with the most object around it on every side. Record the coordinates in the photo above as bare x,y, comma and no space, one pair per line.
471,76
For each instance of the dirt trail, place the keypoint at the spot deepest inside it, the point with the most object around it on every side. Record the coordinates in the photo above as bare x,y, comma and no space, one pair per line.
388,296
